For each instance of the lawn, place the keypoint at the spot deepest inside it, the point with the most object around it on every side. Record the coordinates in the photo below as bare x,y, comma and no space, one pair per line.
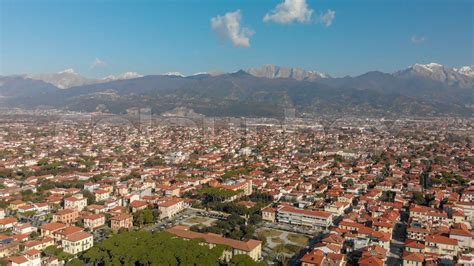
300,240
196,220
270,233
277,240
287,249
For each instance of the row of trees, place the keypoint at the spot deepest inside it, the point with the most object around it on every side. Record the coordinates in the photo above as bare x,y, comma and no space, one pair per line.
234,227
211,194
162,248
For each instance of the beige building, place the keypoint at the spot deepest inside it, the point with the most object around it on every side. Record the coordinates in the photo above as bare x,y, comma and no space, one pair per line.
121,221
76,203
269,214
66,216
77,242
94,221
441,245
170,207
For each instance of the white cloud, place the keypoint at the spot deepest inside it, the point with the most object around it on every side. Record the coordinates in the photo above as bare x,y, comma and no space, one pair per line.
290,11
228,26
98,62
328,17
418,39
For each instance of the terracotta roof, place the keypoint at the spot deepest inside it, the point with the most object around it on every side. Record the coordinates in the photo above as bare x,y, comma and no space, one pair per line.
315,257
71,230
413,256
7,220
18,259
65,211
370,261
306,212
460,232
93,216
138,203
53,226
32,252
78,236
169,202
414,244
441,240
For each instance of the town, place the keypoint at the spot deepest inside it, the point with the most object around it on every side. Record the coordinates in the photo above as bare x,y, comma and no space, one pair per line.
94,189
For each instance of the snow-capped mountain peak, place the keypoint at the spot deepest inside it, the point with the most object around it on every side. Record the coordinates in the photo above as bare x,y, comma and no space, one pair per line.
68,71
273,71
63,79
462,77
126,75
466,70
178,74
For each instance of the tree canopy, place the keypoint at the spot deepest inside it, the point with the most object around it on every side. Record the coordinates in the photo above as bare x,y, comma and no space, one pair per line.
145,248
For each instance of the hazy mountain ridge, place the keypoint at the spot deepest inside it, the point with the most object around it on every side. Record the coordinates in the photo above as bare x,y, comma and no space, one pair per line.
241,94
462,77
69,78
273,71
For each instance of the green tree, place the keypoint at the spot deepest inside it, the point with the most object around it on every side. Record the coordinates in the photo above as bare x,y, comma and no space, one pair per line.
244,260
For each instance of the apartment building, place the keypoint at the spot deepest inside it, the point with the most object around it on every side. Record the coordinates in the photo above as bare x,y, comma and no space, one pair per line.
66,216
170,207
441,245
77,242
77,203
309,218
121,221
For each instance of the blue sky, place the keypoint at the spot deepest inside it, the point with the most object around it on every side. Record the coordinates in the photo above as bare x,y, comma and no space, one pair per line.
152,37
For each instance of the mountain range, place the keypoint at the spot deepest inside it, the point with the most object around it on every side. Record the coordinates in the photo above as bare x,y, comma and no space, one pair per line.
69,78
421,89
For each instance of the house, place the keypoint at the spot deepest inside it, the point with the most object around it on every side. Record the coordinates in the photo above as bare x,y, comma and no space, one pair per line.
23,228
94,221
51,228
31,258
121,221
101,194
77,242
7,223
26,208
170,207
413,258
39,244
14,205
441,245
337,208
9,249
65,232
66,216
77,203
252,248
319,258
269,214
465,238
95,208
138,205
41,207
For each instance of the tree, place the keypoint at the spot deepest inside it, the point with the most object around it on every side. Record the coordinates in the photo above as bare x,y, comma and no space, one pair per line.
75,262
244,260
90,197
145,248
255,219
350,182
